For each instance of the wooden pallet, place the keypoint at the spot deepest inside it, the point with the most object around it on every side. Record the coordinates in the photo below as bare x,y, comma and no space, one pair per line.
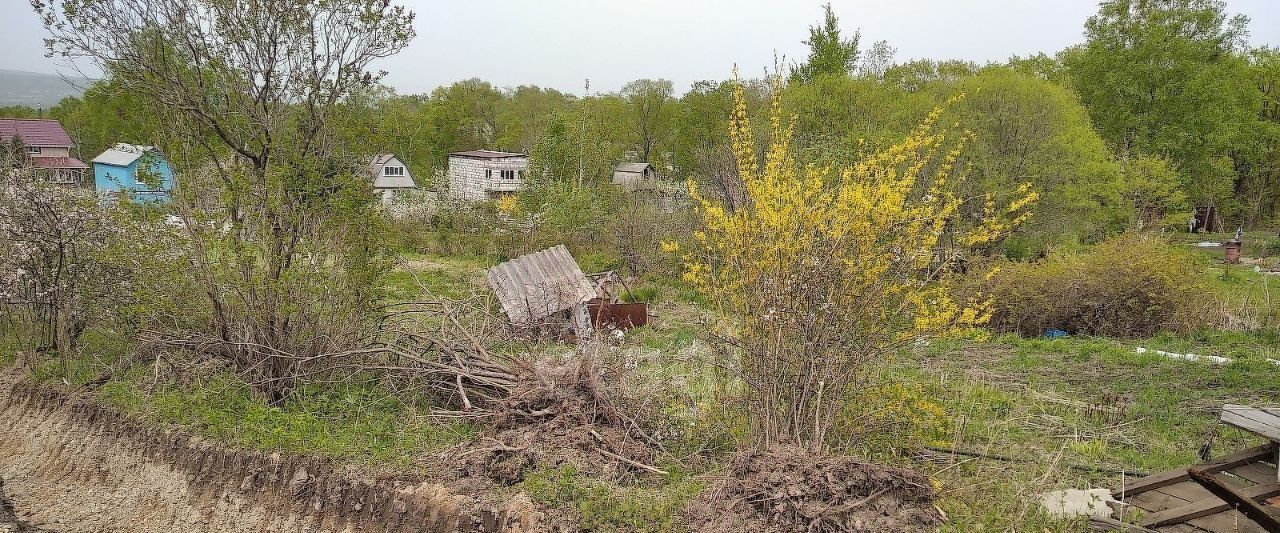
1236,493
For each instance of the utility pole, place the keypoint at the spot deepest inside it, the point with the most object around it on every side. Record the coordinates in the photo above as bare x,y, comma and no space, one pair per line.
582,132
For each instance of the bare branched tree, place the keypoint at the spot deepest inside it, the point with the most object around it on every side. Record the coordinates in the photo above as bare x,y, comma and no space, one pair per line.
279,219
650,108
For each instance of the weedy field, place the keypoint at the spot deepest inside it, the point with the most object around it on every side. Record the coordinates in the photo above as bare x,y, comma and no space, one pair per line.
881,295
991,419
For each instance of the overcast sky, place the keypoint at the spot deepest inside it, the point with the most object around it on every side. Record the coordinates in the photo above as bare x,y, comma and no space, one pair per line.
561,43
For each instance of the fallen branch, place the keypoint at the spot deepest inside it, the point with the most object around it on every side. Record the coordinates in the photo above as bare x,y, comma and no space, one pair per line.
631,462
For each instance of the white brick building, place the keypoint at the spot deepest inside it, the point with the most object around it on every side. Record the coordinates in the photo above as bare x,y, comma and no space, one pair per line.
479,175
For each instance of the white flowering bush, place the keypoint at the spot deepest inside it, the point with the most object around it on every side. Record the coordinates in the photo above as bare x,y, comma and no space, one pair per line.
51,237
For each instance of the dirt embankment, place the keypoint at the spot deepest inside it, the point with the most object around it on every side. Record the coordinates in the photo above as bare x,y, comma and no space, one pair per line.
70,465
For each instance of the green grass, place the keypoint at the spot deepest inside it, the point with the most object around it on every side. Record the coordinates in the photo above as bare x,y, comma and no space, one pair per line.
356,421
1077,401
603,506
420,276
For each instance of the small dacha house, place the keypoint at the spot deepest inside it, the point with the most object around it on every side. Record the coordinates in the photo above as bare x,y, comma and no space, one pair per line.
480,175
391,177
47,146
139,171
634,175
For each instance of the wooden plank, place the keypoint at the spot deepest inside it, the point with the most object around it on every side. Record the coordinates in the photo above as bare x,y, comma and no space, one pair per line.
1252,420
1264,515
1158,499
1188,491
1178,475
1099,523
1206,507
1259,472
1151,482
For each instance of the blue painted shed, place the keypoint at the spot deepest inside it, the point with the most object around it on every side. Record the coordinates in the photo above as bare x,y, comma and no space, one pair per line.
141,170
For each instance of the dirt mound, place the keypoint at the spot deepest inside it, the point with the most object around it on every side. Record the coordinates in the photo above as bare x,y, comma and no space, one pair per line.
72,465
790,490
560,415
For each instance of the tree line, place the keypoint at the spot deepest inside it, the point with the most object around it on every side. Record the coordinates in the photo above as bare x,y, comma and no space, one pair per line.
1163,110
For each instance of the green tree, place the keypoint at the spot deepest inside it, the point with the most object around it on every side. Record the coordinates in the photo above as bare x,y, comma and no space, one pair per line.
838,118
829,53
109,112
650,114
1030,130
1258,161
917,75
281,235
465,116
526,113
1153,190
1166,78
18,111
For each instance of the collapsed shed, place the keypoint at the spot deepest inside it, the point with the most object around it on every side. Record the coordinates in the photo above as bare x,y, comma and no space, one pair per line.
547,291
543,289
1234,493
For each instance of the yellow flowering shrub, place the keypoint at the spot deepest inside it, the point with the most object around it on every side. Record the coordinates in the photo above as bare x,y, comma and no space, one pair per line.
824,270
509,204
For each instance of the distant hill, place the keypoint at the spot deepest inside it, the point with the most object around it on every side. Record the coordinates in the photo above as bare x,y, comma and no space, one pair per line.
33,89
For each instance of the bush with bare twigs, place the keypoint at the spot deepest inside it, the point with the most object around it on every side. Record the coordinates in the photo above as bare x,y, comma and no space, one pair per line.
1134,285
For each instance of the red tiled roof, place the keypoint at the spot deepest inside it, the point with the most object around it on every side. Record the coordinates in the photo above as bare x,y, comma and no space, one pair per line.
34,131
58,162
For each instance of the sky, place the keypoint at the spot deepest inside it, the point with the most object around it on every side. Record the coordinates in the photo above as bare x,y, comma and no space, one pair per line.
562,43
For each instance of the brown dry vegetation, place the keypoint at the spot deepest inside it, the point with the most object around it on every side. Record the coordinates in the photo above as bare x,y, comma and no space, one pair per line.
791,490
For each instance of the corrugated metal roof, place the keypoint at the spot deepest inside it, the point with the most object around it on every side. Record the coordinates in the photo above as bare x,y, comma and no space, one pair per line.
486,154
35,132
122,154
58,162
631,167
534,286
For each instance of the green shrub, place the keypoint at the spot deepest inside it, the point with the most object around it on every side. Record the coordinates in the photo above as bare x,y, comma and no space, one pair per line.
1271,248
1130,286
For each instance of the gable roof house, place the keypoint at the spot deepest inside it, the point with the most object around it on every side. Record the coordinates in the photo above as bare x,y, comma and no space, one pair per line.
479,175
634,175
390,176
48,147
141,171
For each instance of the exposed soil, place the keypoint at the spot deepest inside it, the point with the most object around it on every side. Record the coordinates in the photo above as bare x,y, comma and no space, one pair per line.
9,522
71,465
789,490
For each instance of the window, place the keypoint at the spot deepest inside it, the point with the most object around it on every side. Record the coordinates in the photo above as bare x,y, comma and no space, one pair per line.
508,174
488,174
392,171
33,149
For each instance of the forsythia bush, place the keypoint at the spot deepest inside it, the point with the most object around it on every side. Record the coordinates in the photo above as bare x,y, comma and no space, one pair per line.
826,270
1131,286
